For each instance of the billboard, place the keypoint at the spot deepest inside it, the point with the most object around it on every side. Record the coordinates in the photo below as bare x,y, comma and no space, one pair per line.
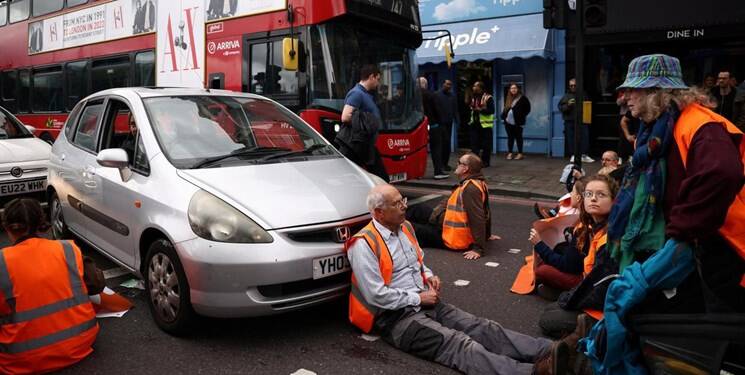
219,9
444,11
113,20
180,48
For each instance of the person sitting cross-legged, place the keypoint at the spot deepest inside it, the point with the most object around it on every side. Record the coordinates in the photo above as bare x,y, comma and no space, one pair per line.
395,295
463,221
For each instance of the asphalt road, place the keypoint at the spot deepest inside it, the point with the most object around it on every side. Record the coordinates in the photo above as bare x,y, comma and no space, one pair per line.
319,339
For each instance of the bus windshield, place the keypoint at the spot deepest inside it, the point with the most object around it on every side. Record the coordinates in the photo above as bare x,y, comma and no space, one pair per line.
338,52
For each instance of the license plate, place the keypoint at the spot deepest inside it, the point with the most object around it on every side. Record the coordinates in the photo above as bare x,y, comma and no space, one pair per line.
22,187
330,265
397,177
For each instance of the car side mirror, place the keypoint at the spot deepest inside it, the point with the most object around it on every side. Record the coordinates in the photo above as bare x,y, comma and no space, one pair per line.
115,158
30,128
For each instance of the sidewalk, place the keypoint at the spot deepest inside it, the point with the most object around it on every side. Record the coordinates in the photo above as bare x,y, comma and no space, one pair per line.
535,177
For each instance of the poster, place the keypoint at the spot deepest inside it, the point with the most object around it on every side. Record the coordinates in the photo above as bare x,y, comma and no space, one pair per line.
180,43
219,9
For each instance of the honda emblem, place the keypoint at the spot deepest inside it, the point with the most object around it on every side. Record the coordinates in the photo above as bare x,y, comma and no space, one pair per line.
342,234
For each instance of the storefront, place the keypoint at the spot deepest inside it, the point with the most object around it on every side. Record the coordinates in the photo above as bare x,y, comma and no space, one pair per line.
511,46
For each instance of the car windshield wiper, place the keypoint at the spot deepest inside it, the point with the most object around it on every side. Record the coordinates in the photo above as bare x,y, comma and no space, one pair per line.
246,151
308,150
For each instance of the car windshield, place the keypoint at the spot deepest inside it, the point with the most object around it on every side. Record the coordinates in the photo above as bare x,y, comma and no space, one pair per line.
338,52
10,128
200,131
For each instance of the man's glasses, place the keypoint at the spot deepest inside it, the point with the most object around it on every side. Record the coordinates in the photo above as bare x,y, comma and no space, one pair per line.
401,203
588,194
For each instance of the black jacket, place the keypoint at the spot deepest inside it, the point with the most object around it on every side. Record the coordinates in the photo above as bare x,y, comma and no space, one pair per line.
447,106
520,111
568,109
590,293
429,104
356,140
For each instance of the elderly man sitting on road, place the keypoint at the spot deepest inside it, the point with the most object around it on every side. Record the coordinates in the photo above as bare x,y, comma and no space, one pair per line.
396,295
463,221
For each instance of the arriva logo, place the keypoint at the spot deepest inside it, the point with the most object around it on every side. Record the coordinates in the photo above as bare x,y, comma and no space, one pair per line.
398,143
213,47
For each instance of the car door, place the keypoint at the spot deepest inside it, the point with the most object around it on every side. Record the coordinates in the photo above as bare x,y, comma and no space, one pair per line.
76,158
115,201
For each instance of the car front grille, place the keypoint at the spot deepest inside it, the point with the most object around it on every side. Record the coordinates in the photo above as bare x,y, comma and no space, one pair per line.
303,286
326,234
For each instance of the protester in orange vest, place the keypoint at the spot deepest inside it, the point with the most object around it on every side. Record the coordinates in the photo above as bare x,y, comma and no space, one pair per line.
46,319
678,226
463,221
395,295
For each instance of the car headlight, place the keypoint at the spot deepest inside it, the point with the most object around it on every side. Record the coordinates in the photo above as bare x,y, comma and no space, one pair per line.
213,219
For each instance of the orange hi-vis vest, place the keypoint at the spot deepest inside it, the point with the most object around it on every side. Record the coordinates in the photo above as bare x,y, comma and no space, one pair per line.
598,240
693,117
456,233
361,313
46,319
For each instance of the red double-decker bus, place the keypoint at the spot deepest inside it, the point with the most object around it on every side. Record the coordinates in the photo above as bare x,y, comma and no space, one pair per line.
55,52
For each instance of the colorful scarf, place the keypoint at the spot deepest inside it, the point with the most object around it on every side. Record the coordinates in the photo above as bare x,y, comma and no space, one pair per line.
636,222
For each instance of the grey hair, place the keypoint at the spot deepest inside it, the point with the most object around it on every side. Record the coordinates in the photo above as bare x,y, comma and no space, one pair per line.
375,199
658,101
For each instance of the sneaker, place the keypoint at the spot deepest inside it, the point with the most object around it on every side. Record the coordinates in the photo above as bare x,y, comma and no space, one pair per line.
519,157
554,362
548,293
509,156
587,159
441,176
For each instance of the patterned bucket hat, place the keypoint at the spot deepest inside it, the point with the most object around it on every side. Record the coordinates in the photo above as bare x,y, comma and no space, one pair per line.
654,71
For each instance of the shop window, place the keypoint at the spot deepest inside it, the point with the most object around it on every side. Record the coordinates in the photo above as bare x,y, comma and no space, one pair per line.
76,82
42,7
110,73
145,69
3,12
19,10
47,90
74,3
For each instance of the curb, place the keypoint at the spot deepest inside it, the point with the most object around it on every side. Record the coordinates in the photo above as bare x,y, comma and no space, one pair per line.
492,191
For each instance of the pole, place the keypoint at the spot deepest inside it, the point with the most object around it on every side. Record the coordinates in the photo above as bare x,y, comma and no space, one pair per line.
579,55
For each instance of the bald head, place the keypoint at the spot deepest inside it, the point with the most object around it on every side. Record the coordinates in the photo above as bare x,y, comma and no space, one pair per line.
468,165
610,159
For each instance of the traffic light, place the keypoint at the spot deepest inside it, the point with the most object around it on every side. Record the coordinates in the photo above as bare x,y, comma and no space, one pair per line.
555,13
596,13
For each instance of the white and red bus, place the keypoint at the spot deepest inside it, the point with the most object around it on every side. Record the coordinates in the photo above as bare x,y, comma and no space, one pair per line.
55,52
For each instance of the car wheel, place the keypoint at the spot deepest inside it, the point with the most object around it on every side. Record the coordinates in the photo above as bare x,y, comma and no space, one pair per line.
59,227
167,288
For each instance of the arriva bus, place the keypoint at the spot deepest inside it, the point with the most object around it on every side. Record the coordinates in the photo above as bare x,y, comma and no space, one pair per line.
305,54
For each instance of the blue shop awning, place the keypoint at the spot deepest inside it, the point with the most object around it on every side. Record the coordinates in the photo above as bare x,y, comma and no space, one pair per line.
496,38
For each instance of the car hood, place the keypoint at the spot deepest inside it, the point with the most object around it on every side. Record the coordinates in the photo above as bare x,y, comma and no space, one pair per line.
289,194
23,149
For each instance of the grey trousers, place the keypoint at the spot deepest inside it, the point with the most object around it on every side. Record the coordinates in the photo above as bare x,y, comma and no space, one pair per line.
457,339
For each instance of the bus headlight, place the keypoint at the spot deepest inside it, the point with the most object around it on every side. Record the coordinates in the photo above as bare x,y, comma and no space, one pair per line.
214,220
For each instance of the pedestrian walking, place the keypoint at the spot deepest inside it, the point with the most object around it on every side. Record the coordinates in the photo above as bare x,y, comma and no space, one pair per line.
567,107
396,295
447,104
361,119
482,122
515,112
431,110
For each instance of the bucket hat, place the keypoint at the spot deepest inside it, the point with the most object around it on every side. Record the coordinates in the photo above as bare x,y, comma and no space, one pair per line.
654,71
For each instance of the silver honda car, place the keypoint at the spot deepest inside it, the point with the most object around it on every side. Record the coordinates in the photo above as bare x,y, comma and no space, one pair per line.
227,204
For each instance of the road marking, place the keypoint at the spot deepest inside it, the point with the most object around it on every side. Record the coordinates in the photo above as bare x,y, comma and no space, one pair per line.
370,338
492,264
461,282
114,272
423,199
514,251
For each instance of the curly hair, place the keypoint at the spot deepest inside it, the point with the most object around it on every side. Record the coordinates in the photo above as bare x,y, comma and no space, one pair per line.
23,217
658,101
587,226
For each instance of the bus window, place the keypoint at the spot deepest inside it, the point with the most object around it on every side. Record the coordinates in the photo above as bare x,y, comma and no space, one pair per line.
74,3
267,75
42,7
145,69
9,85
77,82
19,10
3,12
24,80
47,90
110,73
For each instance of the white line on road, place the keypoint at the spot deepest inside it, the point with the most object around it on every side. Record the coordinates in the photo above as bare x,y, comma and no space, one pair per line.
114,272
423,199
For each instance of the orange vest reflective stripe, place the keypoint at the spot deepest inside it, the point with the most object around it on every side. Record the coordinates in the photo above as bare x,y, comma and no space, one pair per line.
598,240
361,313
456,234
690,121
46,319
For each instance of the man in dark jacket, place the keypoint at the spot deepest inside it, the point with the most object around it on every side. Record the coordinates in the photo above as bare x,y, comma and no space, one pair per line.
447,104
482,122
436,135
567,106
